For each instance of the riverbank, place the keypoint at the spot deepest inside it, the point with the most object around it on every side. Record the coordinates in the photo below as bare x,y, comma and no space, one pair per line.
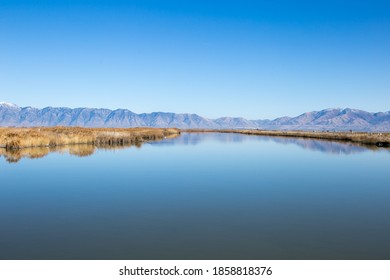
19,138
365,138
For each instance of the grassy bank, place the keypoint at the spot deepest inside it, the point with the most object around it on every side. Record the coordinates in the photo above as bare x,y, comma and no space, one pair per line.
365,138
19,138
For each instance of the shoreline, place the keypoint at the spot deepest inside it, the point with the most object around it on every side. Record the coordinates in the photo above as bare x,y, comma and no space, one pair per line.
20,138
365,138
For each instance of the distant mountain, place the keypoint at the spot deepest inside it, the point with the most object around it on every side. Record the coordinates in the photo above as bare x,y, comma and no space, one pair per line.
336,119
329,119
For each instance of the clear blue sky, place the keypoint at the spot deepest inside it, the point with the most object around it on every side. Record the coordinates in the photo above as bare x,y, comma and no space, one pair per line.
255,59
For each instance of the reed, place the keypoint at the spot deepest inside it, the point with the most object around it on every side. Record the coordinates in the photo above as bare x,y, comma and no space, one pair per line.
19,138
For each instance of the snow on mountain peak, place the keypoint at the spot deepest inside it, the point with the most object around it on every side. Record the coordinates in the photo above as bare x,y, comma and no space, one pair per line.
7,104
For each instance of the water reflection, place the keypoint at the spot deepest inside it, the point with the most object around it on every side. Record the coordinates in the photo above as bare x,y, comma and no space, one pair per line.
324,146
318,145
85,150
230,197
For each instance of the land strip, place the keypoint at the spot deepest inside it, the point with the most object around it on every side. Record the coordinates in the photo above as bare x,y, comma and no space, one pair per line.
19,138
365,138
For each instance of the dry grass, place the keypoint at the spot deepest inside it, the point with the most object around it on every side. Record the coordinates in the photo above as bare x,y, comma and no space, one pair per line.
366,138
19,138
37,142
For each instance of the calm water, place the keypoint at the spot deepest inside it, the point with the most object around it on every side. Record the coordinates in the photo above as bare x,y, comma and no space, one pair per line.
199,196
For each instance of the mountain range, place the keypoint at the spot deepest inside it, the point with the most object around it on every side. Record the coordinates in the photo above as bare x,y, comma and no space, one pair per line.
329,119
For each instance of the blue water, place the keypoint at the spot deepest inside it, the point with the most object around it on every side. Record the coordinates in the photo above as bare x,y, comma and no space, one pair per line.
200,196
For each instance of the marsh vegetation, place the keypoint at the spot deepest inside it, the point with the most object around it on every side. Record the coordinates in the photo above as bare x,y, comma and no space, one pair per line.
18,143
18,138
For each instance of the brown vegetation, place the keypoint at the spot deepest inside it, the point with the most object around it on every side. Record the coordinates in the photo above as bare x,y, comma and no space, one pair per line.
366,138
18,138
17,143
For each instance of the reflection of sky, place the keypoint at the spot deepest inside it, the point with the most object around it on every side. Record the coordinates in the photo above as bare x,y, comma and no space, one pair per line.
246,199
324,146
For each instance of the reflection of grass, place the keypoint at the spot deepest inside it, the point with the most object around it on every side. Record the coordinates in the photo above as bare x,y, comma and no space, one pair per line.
366,138
14,155
17,138
80,150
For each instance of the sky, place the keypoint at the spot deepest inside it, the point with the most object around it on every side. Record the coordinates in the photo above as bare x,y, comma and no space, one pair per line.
253,59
